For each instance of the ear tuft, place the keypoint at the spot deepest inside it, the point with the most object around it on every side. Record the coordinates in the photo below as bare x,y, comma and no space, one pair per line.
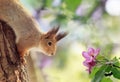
61,35
54,30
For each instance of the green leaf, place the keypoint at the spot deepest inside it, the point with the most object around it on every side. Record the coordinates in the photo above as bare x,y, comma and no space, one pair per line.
94,70
99,74
108,68
72,5
116,73
116,61
101,57
60,19
106,80
48,3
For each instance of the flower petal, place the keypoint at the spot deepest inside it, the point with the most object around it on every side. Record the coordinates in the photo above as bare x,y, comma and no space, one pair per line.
91,51
86,64
85,54
89,59
97,51
92,63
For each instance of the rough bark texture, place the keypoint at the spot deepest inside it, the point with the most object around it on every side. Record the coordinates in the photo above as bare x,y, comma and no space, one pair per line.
11,69
31,69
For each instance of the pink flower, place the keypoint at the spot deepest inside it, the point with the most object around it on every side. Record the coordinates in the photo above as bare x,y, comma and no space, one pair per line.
90,57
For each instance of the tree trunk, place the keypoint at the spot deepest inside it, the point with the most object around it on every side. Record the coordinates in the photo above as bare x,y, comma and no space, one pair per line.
11,69
31,69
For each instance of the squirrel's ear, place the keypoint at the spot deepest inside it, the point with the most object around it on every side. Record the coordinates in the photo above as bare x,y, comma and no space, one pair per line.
60,36
54,30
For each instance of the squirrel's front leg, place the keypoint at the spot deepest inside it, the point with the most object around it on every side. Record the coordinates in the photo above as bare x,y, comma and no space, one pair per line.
22,51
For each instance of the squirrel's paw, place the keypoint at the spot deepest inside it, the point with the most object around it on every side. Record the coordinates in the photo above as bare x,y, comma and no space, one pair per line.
23,61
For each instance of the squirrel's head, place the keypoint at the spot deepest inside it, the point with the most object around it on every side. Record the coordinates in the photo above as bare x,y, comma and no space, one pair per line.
49,40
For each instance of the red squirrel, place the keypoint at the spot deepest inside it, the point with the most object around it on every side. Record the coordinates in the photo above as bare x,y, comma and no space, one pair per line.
27,31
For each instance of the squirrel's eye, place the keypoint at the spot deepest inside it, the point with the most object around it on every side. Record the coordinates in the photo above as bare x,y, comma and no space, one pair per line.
49,43
47,37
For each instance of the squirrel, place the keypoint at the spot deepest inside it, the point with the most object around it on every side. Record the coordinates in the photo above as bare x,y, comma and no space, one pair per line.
27,31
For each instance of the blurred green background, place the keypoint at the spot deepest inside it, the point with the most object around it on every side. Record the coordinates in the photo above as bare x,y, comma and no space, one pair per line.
90,23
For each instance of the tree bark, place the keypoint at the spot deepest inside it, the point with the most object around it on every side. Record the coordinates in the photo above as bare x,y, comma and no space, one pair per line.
11,69
31,69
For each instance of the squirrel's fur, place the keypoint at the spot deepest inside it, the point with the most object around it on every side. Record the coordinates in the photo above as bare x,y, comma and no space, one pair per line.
28,33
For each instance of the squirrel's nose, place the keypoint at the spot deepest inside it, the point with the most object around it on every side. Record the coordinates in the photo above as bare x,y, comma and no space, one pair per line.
52,54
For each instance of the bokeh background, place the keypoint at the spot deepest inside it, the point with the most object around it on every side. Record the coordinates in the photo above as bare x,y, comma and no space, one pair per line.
90,23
